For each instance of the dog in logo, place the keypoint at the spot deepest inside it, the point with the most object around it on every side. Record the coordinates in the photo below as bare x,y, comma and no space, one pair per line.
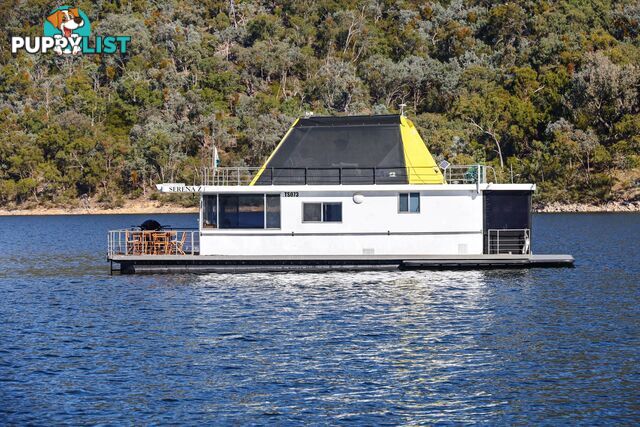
67,21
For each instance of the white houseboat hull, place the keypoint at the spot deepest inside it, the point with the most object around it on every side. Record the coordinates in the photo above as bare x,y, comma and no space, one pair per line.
345,192
447,232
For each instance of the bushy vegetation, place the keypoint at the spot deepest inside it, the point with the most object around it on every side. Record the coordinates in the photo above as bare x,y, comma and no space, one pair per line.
546,90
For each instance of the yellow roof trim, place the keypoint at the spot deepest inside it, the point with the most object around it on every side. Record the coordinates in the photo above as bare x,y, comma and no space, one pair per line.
264,166
421,167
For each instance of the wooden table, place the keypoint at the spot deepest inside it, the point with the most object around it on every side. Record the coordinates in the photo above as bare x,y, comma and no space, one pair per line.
148,242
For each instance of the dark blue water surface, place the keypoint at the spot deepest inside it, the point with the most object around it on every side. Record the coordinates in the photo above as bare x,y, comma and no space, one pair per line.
551,346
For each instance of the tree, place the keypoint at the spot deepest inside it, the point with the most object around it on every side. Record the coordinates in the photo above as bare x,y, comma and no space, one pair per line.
337,87
604,92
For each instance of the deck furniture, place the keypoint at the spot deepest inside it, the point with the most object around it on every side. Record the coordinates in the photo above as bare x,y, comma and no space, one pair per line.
177,246
161,242
135,242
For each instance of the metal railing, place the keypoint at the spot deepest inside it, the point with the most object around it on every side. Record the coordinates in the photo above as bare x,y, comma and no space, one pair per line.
469,174
145,242
509,241
233,175
244,175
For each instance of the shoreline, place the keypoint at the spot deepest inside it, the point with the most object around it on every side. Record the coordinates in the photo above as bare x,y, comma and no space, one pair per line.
154,208
610,207
129,208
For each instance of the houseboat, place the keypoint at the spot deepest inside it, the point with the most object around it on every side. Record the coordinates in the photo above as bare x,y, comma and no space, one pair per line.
343,193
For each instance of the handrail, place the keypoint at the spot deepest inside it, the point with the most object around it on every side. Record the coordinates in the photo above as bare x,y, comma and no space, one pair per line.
134,241
244,175
509,241
469,174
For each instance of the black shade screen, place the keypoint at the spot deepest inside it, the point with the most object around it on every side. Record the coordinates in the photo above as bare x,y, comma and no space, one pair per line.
507,209
328,150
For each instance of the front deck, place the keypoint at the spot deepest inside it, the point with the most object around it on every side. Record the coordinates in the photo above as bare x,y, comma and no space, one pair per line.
143,243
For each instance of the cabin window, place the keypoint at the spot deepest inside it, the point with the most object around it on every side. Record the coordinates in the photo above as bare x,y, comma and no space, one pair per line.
321,212
332,212
210,211
273,210
241,210
311,212
409,203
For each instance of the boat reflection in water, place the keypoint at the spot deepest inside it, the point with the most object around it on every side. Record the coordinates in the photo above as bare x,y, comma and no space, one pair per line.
337,339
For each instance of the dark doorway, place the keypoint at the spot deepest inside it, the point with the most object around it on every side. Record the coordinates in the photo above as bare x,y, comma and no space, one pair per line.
509,212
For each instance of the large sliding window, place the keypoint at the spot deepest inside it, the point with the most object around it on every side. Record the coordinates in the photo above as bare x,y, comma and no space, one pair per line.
241,210
232,211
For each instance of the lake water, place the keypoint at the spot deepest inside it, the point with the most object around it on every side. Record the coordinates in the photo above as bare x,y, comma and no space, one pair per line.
551,346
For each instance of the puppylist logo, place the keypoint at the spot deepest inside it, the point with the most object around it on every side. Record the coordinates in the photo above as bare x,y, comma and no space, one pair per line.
67,30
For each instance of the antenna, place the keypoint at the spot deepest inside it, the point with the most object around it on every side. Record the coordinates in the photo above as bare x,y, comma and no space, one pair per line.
402,109
308,114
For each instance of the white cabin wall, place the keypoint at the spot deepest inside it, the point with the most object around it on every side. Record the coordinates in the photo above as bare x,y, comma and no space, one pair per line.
449,222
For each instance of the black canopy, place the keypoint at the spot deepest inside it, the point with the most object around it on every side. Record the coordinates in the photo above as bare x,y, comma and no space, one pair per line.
350,150
325,147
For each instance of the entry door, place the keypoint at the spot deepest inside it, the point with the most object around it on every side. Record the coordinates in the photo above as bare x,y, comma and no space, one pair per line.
506,210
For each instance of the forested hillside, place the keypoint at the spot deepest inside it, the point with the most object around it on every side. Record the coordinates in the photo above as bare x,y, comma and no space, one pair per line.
548,89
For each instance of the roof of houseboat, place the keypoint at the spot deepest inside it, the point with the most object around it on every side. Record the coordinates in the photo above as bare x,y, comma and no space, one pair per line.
349,148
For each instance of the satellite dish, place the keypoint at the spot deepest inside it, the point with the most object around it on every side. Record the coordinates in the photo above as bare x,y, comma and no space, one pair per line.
444,164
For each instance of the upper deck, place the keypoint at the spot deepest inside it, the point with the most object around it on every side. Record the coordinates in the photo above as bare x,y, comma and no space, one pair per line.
243,179
346,151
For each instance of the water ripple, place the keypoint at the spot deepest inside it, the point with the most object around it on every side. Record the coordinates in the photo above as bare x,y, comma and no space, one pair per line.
492,347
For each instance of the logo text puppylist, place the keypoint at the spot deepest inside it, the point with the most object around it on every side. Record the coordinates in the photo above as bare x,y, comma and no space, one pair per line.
67,30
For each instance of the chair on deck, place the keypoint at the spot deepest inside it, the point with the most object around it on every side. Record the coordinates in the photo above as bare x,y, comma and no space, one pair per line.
161,242
135,242
177,246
